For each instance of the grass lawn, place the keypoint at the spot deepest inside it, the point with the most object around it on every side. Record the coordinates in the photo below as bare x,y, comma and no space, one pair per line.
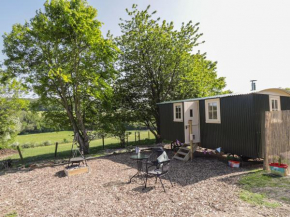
42,137
260,188
64,149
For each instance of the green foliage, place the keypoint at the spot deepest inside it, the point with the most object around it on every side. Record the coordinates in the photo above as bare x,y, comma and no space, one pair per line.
63,56
157,65
115,119
10,107
199,79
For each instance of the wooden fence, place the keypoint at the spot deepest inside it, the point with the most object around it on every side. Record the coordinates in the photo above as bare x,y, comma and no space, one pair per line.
276,137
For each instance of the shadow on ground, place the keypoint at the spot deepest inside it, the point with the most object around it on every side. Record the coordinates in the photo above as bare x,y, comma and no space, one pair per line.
202,167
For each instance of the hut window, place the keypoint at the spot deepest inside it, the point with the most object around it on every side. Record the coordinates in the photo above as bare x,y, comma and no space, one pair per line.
275,103
212,111
177,112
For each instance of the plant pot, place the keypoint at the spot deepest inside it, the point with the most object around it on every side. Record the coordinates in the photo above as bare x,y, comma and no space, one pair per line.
278,169
233,163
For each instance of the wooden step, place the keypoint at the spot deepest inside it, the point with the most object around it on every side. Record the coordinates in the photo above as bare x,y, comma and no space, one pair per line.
178,158
184,148
182,153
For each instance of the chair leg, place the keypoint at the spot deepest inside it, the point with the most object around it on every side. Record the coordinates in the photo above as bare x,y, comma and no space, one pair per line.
161,183
146,181
170,180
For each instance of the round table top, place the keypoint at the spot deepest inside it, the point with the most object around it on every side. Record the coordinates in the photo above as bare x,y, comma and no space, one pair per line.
139,156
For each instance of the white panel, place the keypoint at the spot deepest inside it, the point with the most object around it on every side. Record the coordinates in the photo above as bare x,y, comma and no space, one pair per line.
194,106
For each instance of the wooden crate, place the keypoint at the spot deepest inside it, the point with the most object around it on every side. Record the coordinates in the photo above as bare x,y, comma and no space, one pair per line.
76,170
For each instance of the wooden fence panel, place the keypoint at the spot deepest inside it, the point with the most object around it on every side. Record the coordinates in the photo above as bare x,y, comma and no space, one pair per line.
276,137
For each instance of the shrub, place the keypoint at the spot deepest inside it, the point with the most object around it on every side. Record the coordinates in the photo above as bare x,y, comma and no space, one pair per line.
46,143
65,140
26,145
14,145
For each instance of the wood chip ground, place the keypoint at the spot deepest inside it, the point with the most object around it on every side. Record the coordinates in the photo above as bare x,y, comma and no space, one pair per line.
203,187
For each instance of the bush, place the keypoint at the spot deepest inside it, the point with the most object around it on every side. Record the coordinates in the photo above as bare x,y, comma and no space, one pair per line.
46,143
65,140
26,145
14,145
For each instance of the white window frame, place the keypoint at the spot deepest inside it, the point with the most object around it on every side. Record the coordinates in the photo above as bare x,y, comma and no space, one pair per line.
278,102
213,121
174,112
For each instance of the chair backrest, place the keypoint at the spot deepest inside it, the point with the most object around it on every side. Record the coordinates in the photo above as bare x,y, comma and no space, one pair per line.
164,166
156,152
162,157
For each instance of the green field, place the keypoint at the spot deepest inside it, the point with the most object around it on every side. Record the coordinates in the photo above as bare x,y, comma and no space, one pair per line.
42,137
64,149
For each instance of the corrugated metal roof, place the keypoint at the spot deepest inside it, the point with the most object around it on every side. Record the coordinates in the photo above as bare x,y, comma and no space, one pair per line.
221,96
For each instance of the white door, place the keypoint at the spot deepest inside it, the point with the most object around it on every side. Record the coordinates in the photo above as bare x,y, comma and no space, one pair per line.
191,112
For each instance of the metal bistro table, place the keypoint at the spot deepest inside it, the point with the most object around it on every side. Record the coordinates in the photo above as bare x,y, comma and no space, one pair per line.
139,158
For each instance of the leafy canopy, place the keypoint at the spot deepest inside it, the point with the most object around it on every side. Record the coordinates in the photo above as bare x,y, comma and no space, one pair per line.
10,107
62,55
157,64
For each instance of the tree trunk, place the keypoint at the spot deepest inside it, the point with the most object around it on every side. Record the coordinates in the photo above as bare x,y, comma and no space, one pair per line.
122,142
83,140
158,137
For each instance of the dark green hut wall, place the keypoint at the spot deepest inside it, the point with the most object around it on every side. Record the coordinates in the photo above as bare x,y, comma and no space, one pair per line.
236,132
285,103
261,104
170,130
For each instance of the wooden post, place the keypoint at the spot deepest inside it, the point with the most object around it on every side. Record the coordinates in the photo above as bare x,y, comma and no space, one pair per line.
190,138
135,137
103,138
19,151
127,138
139,137
267,132
55,152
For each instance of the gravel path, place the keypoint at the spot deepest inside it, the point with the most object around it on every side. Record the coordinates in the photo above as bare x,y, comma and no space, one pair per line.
203,187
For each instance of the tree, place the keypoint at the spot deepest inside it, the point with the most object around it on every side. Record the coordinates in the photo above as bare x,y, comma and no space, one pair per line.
113,117
199,79
62,55
155,61
10,107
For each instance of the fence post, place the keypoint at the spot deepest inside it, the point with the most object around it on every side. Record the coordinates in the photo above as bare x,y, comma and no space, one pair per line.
139,136
55,152
103,138
135,137
19,151
267,132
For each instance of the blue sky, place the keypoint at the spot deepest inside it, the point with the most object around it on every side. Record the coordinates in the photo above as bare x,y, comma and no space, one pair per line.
249,39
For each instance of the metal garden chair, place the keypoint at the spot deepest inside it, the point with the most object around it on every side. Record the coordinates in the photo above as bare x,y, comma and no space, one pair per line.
158,170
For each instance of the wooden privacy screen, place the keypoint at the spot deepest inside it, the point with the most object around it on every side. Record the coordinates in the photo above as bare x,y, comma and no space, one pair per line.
276,137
